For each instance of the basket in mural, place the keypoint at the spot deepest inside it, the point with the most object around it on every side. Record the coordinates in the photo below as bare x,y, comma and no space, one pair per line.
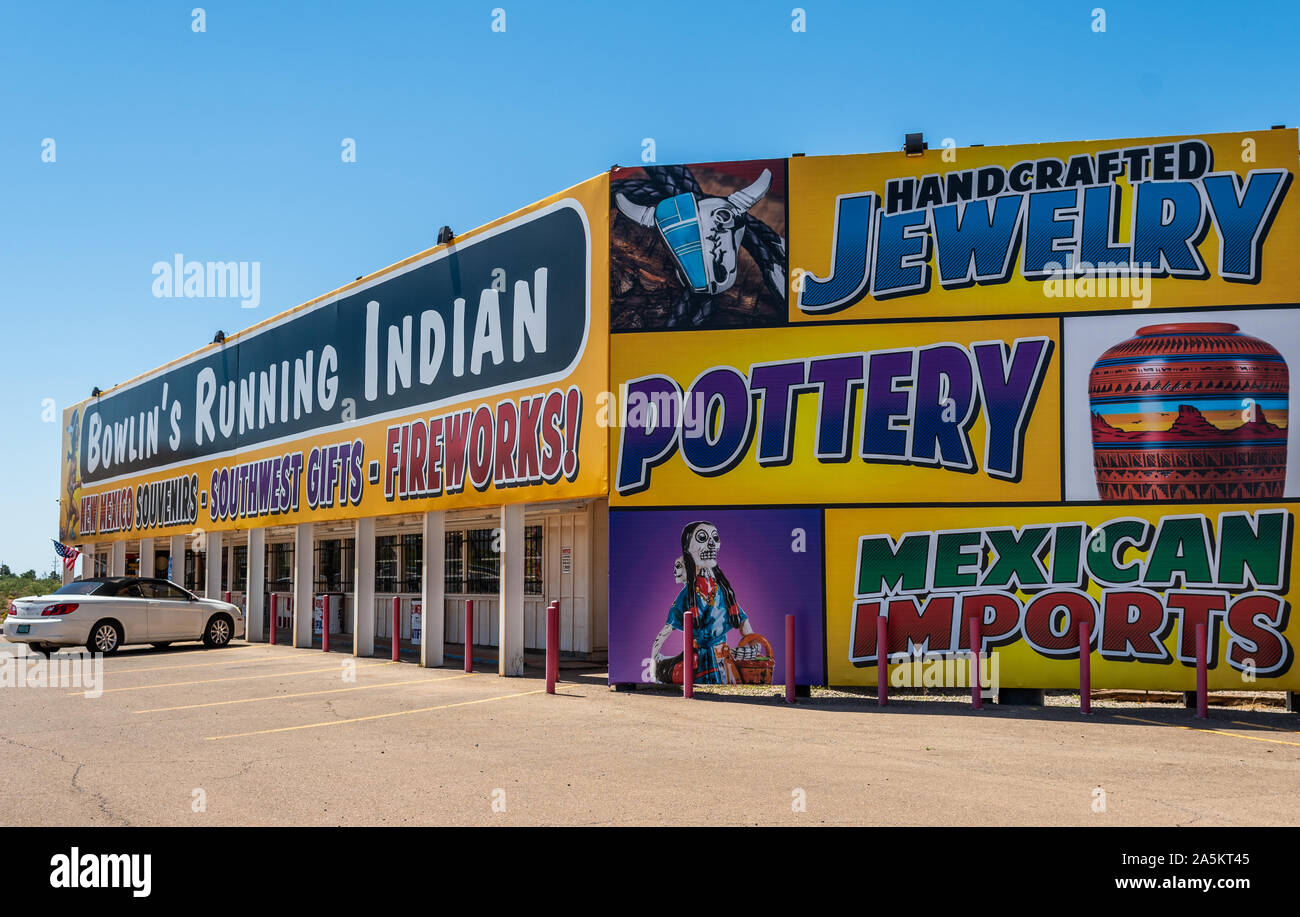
753,659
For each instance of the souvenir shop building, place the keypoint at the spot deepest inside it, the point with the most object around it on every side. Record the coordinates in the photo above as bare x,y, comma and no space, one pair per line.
1039,386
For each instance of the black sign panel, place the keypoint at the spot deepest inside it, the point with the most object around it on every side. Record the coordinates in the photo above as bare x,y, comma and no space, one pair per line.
508,309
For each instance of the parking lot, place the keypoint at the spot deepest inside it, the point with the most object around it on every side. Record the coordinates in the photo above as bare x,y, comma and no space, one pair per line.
263,735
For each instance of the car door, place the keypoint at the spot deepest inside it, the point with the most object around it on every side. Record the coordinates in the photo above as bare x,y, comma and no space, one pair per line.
172,615
131,609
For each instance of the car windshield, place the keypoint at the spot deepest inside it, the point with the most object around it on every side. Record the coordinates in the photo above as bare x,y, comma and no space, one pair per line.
80,587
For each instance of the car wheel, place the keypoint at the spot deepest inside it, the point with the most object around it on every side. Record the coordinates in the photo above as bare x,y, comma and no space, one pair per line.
218,632
160,646
105,637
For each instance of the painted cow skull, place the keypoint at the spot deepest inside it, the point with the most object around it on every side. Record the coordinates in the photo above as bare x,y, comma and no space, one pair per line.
702,233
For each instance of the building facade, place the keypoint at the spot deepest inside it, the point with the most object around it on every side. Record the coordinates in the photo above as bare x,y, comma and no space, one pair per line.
1029,396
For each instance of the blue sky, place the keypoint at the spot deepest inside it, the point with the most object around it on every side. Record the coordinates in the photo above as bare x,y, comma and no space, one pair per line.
225,144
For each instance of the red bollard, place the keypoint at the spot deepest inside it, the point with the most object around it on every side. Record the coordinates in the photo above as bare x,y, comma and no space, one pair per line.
1202,673
789,659
882,660
469,636
552,646
688,657
976,641
397,624
273,613
325,623
1085,668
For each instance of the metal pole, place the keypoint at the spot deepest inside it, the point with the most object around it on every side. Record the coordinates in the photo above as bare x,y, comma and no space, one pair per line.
1085,668
325,623
1202,673
789,659
552,646
976,700
688,657
882,660
273,613
397,624
469,636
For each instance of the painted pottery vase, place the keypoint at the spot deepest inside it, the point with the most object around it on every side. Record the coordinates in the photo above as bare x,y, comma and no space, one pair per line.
1189,411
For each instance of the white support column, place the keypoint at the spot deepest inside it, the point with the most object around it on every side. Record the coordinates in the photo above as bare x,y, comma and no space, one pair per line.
303,583
146,557
87,560
117,559
510,646
363,589
176,571
431,595
255,595
214,547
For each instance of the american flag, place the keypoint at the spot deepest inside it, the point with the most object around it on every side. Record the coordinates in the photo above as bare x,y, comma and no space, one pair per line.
67,552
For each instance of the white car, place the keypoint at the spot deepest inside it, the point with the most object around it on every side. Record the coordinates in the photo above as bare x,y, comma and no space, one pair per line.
105,612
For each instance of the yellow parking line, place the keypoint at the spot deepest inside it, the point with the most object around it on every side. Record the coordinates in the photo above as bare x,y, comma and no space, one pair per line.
1217,732
249,700
1264,726
209,681
376,716
243,660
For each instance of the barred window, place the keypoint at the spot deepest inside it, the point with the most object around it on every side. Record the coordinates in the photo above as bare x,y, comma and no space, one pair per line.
412,562
241,568
482,563
334,564
196,565
454,560
386,571
225,569
279,567
533,560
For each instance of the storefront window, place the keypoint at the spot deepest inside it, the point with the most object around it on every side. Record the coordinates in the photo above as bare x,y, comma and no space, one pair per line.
279,567
334,565
386,569
241,568
195,571
533,560
473,565
482,562
454,561
412,562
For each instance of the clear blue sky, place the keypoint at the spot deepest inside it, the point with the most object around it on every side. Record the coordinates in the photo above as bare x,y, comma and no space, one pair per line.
224,145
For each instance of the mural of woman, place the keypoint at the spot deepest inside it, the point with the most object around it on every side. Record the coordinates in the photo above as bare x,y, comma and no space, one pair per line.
709,597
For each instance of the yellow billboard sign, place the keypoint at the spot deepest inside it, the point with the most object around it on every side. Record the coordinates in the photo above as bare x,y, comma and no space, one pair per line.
462,376
1160,222
879,414
1141,576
